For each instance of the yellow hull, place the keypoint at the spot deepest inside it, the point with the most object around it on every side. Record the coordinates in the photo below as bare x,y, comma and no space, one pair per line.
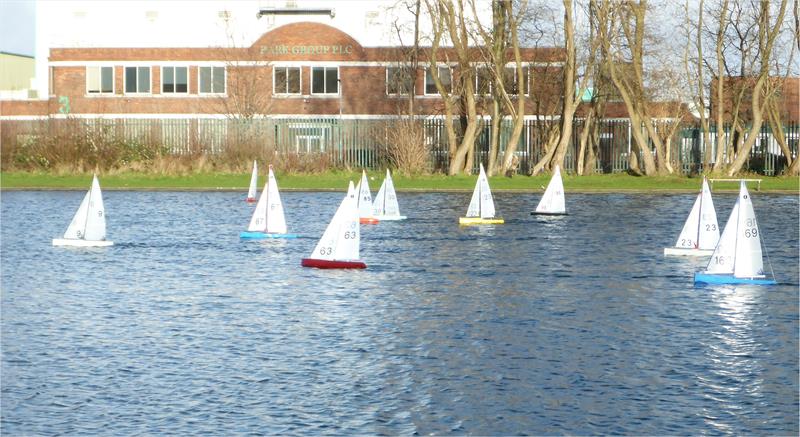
480,221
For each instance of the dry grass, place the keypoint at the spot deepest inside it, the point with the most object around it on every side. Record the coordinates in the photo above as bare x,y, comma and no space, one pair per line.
402,146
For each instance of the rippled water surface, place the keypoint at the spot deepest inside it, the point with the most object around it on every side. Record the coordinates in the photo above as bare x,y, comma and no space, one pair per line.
571,325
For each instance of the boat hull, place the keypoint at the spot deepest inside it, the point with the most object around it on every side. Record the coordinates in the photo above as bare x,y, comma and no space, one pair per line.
480,221
73,242
705,278
250,200
681,251
368,221
547,213
332,264
247,235
390,218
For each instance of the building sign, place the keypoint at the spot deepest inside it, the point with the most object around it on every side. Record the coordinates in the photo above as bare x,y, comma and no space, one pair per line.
283,49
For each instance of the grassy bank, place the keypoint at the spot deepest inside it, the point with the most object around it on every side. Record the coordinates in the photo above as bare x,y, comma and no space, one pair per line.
338,181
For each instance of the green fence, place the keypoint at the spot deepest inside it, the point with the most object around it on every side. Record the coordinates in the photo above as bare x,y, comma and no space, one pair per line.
360,143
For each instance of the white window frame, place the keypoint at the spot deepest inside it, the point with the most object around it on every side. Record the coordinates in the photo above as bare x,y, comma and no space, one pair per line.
125,80
100,91
325,81
200,82
413,80
490,86
188,80
526,70
287,67
440,67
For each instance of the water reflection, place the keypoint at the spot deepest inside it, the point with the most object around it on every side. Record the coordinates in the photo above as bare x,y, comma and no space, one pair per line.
568,325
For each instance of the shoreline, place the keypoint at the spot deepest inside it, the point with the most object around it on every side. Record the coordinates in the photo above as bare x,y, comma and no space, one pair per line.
409,190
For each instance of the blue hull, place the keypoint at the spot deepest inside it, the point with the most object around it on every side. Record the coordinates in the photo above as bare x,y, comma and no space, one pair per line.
705,278
247,235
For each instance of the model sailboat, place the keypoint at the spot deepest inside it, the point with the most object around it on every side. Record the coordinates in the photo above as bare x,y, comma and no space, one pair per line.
339,246
700,232
364,201
385,206
552,202
481,206
88,226
738,258
251,192
268,220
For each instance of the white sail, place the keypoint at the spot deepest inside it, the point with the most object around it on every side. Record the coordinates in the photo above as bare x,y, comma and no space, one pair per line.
276,221
89,222
708,229
688,237
553,199
341,240
482,204
474,209
364,200
721,261
386,200
268,216
258,222
251,192
749,262
487,202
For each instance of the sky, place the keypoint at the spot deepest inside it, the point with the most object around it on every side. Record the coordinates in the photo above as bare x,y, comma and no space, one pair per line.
17,26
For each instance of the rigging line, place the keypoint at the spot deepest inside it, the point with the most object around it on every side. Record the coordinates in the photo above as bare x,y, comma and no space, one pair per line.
88,209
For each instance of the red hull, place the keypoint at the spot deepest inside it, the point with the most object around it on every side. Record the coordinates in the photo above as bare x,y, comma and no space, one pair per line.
250,200
325,264
368,221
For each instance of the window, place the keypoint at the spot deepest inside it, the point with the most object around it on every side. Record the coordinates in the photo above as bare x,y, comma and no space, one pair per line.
444,77
174,80
399,81
137,80
100,80
511,82
286,80
212,80
325,80
483,80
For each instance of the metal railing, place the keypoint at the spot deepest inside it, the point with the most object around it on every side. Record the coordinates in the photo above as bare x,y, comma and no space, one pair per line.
359,143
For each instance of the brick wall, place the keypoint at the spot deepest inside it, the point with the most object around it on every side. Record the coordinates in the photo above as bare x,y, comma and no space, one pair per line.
363,84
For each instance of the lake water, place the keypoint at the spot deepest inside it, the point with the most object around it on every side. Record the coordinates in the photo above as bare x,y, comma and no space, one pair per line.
571,325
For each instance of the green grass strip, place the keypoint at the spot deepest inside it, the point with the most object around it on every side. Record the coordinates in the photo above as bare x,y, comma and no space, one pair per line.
338,181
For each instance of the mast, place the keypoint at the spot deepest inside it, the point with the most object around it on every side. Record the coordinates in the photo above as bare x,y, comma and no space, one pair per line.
88,209
738,217
700,215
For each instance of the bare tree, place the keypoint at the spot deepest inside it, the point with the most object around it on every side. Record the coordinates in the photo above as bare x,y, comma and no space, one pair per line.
448,20
621,28
768,31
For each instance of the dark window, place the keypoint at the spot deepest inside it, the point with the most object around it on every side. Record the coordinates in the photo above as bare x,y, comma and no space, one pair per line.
137,79
324,80
175,80
399,80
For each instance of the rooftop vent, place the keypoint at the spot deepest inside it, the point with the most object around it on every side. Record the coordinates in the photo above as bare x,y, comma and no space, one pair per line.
295,11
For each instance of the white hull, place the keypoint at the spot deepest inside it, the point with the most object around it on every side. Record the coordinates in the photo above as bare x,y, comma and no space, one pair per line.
679,251
389,218
81,243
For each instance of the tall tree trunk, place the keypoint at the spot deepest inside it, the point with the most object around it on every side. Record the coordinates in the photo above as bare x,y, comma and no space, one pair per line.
767,34
568,101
